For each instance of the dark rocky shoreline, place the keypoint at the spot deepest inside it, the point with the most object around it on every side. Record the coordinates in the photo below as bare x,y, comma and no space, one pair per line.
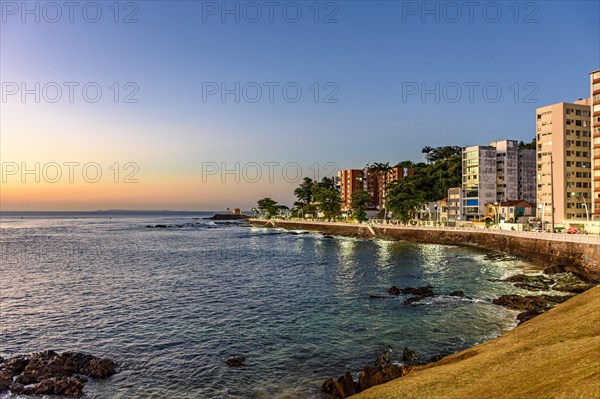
556,279
50,373
383,371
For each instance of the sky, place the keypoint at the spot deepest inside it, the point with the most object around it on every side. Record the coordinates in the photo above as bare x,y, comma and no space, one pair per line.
201,105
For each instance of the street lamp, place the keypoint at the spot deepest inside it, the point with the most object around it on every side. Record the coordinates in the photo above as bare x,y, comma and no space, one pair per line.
496,218
587,213
541,208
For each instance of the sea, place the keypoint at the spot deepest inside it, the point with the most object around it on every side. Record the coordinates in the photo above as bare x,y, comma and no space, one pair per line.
171,303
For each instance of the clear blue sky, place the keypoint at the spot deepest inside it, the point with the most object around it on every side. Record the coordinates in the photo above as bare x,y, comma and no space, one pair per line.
369,53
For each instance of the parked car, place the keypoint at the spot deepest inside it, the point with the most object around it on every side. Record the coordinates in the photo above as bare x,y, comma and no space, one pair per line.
572,230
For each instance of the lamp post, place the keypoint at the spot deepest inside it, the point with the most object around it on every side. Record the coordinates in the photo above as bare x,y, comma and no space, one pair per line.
552,190
496,218
587,213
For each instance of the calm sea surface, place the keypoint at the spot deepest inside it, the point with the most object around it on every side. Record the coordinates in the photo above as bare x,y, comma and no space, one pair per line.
170,304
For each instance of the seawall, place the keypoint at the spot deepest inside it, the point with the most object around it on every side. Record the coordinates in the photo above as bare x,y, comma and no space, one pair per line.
581,258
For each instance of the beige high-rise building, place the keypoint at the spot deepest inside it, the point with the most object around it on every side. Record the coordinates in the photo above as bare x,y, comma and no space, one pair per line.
595,99
478,180
564,156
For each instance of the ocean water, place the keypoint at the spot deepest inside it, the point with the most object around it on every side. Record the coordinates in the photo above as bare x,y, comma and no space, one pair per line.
171,304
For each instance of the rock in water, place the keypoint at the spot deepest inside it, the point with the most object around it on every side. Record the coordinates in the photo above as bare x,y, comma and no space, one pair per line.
16,388
529,302
343,387
409,356
531,282
531,305
235,361
384,357
417,293
569,282
5,380
457,293
101,368
394,290
554,269
369,376
48,373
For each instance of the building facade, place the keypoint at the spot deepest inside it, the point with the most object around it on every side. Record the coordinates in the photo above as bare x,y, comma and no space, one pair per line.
384,179
563,135
454,204
478,180
350,180
507,169
595,112
510,211
515,172
374,183
527,176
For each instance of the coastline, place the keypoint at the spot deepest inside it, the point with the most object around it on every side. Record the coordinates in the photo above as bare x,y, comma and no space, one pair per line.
544,357
568,357
543,249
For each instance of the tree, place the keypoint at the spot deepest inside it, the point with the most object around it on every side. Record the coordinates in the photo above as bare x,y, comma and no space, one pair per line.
527,146
427,150
405,164
269,206
443,172
360,200
381,170
304,192
403,199
283,209
327,197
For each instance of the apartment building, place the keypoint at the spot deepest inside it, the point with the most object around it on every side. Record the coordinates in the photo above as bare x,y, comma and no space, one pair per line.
454,204
564,161
595,112
527,176
350,180
374,183
478,180
384,179
507,169
515,171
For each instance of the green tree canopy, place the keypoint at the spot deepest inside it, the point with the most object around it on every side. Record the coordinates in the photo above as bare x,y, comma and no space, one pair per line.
527,146
328,197
360,199
404,198
443,171
268,205
304,192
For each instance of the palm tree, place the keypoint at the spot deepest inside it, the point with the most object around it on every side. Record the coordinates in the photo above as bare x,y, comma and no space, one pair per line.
427,150
381,171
